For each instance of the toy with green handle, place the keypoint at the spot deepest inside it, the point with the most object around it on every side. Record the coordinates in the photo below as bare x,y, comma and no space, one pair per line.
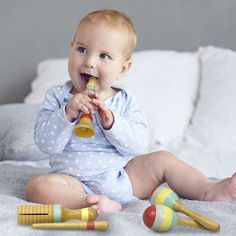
166,196
85,129
161,218
30,214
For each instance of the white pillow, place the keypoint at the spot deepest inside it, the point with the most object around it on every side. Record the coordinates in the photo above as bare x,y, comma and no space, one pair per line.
49,72
214,122
17,132
165,83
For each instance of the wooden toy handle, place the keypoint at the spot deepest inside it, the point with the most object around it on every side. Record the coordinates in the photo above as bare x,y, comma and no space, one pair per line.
91,85
91,225
84,214
203,220
191,223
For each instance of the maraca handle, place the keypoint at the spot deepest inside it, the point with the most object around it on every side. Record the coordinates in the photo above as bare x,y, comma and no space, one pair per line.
191,223
203,220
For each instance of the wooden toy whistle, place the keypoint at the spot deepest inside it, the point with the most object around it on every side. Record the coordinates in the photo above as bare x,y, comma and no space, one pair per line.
85,129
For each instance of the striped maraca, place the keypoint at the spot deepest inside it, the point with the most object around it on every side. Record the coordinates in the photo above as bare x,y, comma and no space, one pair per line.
166,196
162,218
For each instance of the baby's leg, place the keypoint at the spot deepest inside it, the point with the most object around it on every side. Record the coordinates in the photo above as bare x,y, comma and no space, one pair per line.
57,188
148,171
68,191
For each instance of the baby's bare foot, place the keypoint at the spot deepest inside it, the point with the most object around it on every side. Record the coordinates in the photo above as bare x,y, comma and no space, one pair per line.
103,204
225,190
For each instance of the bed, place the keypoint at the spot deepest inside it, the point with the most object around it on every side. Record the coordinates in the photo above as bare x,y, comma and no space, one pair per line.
189,103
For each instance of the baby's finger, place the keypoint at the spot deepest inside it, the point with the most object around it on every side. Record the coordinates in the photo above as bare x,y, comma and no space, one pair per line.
89,93
83,108
101,105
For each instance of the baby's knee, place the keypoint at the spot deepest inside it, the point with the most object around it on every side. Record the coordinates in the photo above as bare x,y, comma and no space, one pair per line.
163,156
35,188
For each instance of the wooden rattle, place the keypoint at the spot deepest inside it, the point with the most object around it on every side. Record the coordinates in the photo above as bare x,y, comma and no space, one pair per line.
85,129
166,196
30,214
161,218
90,225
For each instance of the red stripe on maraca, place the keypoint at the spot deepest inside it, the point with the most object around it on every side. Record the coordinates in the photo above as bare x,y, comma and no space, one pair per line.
149,216
90,225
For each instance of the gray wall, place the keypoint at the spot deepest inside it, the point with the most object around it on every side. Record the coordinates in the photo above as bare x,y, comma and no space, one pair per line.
33,30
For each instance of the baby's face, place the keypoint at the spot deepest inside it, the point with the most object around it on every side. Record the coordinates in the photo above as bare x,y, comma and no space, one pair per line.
97,50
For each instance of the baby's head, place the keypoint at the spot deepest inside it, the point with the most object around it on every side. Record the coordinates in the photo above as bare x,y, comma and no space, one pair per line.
102,48
115,20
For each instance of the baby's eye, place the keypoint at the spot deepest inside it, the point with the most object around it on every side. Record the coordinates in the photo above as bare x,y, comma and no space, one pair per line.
82,50
104,56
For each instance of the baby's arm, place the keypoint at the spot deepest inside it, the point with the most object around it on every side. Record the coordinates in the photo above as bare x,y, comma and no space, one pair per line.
129,132
55,122
52,130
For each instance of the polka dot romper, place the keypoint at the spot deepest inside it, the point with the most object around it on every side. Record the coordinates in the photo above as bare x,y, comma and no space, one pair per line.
97,162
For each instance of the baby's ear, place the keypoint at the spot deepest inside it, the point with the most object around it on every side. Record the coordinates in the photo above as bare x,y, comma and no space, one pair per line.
125,67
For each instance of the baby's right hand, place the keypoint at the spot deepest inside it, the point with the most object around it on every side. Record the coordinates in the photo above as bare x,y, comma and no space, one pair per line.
80,102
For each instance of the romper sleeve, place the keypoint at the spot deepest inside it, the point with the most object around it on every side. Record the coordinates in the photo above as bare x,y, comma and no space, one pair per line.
52,130
129,133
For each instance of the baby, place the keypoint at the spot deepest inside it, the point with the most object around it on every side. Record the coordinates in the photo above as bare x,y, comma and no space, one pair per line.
108,169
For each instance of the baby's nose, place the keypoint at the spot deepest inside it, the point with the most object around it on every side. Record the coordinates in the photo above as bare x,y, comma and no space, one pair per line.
90,62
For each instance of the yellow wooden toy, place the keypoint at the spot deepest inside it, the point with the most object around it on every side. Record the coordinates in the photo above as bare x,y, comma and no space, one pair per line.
161,218
85,129
90,225
30,214
166,196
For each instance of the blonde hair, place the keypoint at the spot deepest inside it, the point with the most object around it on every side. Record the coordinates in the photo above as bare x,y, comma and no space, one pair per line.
117,20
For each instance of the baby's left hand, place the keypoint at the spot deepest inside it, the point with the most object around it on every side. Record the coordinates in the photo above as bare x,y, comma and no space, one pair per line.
106,116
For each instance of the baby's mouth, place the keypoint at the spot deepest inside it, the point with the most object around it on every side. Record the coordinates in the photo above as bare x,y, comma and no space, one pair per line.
85,77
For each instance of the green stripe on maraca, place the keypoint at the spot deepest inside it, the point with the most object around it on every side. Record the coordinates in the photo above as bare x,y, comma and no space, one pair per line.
164,196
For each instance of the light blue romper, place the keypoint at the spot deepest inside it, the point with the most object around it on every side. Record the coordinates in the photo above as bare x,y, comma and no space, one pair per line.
97,162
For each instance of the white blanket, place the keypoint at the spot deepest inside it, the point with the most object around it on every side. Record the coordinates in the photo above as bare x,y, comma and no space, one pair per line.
128,222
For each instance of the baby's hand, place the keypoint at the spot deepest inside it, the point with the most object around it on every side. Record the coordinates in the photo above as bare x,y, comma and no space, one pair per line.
106,115
80,102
